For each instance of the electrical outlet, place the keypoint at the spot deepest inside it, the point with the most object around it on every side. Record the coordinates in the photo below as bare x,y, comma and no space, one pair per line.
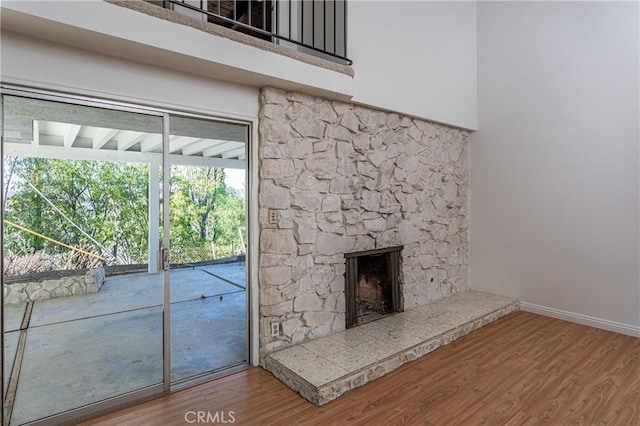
275,329
273,217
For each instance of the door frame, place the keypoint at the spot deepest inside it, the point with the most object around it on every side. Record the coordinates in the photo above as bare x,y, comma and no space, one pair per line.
251,200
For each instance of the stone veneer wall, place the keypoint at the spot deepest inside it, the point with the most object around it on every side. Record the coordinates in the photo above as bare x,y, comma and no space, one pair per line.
346,178
91,282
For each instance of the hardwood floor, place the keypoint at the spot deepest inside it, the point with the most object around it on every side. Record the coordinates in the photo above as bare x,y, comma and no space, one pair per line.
524,369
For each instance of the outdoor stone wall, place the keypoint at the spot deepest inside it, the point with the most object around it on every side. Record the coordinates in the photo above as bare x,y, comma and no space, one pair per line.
346,178
91,282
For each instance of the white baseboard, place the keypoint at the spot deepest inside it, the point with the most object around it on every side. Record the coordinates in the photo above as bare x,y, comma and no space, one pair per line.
630,330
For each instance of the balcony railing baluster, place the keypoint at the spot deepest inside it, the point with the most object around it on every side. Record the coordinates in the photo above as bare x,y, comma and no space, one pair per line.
324,24
301,21
344,28
268,26
335,28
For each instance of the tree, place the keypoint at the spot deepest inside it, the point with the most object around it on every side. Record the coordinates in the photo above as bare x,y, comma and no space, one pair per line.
204,212
107,200
194,192
230,222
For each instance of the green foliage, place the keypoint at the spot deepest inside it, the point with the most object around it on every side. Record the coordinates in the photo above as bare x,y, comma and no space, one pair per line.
205,214
109,201
230,220
106,200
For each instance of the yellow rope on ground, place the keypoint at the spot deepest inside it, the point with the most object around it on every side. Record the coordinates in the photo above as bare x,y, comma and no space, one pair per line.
22,228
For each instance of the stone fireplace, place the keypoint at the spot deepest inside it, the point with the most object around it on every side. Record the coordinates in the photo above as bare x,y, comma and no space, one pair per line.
372,285
338,178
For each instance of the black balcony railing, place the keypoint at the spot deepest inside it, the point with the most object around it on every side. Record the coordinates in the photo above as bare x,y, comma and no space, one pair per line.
318,27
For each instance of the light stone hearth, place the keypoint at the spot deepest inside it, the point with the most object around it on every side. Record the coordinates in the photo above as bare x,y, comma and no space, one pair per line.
323,369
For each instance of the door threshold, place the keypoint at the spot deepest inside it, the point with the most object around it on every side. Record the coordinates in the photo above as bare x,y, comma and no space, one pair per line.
208,376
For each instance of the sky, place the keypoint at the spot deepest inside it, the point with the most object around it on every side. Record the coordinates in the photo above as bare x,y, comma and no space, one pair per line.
235,178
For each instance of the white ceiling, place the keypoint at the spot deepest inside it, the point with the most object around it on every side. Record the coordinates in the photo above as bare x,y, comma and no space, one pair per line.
38,128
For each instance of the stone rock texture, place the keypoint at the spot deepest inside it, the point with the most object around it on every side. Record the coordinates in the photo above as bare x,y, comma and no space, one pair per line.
345,178
91,282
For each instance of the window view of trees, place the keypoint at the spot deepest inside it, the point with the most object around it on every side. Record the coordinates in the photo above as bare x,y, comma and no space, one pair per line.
207,217
103,208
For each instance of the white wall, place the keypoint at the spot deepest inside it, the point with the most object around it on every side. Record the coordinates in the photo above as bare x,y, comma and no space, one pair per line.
416,57
62,68
555,164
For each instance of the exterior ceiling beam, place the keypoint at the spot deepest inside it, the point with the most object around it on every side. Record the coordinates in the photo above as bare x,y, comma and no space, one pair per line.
71,134
233,153
75,153
102,136
176,143
151,142
129,138
196,148
220,148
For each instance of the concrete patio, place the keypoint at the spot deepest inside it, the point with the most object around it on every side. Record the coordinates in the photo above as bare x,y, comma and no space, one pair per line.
64,353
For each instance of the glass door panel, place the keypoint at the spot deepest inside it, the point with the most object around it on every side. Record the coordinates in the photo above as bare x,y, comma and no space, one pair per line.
208,237
83,295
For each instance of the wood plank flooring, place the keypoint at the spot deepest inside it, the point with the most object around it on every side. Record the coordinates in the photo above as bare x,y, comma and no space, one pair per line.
523,369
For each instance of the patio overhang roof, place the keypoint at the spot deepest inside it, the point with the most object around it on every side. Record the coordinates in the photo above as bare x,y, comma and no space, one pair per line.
73,132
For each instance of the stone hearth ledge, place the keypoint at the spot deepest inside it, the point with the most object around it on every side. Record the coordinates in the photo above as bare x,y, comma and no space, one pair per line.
323,369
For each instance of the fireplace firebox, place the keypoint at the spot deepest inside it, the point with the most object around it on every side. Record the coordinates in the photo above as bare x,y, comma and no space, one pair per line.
372,285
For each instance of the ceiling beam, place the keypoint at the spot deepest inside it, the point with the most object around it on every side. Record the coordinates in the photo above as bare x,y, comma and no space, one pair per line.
74,153
206,162
196,147
129,138
102,136
151,142
70,134
176,143
233,153
220,148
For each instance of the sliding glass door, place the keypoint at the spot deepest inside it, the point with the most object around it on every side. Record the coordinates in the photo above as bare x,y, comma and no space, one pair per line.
208,245
123,241
83,302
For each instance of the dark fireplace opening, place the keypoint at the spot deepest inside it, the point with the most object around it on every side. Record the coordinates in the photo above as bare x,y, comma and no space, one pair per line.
374,293
372,285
